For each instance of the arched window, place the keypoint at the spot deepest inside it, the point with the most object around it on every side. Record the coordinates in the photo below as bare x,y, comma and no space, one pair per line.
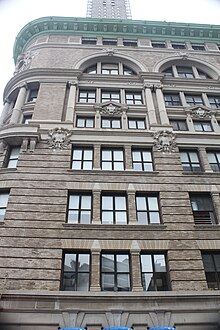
180,71
108,68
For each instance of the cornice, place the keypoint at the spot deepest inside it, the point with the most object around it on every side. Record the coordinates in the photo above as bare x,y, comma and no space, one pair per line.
114,28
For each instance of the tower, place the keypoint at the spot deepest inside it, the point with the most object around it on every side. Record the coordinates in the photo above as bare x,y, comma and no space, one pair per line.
119,9
110,176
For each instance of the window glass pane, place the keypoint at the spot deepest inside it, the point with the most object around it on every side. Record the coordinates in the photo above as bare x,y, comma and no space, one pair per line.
137,166
132,124
146,156
87,165
120,203
106,166
211,157
107,202
108,282
120,217
141,203
154,217
193,157
76,165
153,204
106,123
15,152
208,263
118,166
86,202
85,217
89,123
74,202
12,163
136,155
118,155
141,124
2,214
147,280
83,262
83,282
88,154
217,262
116,123
184,156
123,282
122,262
107,217
73,216
106,155
107,262
146,263
142,218
80,122
159,263
77,154
148,167
70,262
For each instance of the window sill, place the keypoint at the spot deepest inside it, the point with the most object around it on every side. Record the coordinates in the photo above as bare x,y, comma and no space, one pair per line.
6,170
112,172
114,226
213,227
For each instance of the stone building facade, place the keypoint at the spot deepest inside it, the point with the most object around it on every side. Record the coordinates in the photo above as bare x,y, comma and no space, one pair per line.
109,178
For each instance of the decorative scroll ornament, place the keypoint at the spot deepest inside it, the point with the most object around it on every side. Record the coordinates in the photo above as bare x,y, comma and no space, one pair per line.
110,51
24,61
165,141
184,56
59,138
111,109
200,112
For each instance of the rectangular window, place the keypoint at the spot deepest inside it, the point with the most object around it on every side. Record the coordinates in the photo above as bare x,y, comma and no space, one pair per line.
147,209
88,41
3,204
114,209
178,46
13,157
76,272
83,122
214,160
203,126
185,72
87,96
134,98
203,211
111,122
113,159
82,158
130,43
108,96
156,44
190,161
172,100
214,101
80,208
110,68
32,95
211,263
154,272
198,47
115,272
142,160
136,123
192,100
111,42
26,118
178,125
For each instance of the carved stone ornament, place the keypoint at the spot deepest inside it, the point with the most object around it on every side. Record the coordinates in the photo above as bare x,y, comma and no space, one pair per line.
184,56
200,112
59,138
110,51
165,141
111,109
24,61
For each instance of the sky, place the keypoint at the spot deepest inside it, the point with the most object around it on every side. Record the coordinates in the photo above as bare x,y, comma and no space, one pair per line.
14,14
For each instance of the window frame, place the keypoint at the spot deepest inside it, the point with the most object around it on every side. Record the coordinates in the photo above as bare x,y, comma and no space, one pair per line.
147,211
137,121
85,119
82,160
114,211
136,98
194,102
171,102
115,271
111,121
154,271
79,210
87,98
200,215
13,158
112,161
142,161
76,271
214,102
216,272
217,163
176,124
3,206
190,162
110,98
202,124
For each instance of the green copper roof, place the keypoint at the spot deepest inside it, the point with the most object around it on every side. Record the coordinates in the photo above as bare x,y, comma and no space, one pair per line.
115,28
